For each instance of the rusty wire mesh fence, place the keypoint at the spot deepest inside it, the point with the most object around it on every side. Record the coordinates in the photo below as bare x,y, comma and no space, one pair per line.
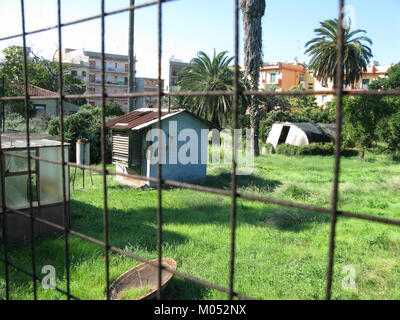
232,193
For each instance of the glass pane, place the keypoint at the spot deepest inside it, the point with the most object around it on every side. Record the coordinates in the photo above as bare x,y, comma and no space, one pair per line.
51,177
15,164
17,192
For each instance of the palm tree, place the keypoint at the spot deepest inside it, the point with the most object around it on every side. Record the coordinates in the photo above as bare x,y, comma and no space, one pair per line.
253,11
323,51
208,74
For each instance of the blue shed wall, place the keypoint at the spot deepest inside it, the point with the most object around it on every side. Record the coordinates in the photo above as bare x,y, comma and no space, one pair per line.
182,172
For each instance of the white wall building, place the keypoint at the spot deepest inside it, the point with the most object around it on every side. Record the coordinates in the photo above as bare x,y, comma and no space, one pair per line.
86,65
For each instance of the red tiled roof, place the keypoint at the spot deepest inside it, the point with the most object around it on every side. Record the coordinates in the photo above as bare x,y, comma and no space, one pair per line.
37,91
32,90
135,119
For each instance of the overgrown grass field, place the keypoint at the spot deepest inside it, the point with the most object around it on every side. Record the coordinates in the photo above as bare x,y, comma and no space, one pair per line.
281,253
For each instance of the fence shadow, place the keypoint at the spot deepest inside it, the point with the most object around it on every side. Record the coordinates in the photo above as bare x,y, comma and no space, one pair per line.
223,181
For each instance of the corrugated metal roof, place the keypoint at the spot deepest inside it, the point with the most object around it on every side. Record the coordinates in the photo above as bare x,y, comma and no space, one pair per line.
138,118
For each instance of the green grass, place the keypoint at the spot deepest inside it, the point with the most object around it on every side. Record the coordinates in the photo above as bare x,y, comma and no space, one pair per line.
281,253
133,293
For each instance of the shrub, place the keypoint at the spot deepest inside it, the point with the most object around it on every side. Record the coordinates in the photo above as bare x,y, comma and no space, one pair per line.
390,132
83,125
111,110
38,124
15,121
322,149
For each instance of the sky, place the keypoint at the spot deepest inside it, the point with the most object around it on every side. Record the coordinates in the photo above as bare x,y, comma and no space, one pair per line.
190,26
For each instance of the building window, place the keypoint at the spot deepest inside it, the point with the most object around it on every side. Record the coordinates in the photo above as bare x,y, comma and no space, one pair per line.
83,73
92,64
92,78
365,83
92,90
74,73
273,78
126,67
40,108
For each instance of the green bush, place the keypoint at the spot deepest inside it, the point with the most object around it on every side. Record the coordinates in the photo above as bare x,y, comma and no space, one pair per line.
322,149
390,132
111,110
84,125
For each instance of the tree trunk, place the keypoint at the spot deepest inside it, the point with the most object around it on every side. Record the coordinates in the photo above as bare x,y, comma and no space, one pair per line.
253,11
131,58
255,123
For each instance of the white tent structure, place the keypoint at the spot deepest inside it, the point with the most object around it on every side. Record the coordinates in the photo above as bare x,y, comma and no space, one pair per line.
300,134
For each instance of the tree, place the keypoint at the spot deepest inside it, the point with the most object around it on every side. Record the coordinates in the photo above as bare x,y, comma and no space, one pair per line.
253,11
361,116
304,101
41,73
85,124
391,81
111,110
50,73
208,74
324,48
389,125
270,103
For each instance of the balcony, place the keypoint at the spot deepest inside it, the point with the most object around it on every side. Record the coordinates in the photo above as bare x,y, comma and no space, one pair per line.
110,83
108,70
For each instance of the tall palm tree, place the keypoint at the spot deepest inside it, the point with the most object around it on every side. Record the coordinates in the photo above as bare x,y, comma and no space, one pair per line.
205,73
323,51
253,11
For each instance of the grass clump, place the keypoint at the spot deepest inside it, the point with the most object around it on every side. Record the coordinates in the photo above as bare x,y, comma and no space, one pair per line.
133,293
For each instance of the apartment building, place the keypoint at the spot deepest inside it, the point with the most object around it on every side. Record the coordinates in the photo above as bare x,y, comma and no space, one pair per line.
281,75
374,72
147,85
175,69
86,65
286,75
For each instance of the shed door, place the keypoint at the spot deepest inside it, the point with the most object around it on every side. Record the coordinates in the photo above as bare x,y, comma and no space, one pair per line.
120,147
136,149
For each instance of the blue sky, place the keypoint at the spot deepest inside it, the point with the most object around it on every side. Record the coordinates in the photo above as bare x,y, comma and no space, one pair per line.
193,25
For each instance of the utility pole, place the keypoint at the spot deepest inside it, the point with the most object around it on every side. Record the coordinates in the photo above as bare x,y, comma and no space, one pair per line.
131,58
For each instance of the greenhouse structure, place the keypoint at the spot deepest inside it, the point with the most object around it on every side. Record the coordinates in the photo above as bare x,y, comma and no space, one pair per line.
47,192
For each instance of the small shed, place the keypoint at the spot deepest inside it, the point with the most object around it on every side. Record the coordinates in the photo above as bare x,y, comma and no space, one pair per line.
300,133
185,145
47,191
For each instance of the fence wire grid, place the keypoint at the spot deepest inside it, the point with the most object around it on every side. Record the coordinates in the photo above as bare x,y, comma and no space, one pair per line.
233,193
